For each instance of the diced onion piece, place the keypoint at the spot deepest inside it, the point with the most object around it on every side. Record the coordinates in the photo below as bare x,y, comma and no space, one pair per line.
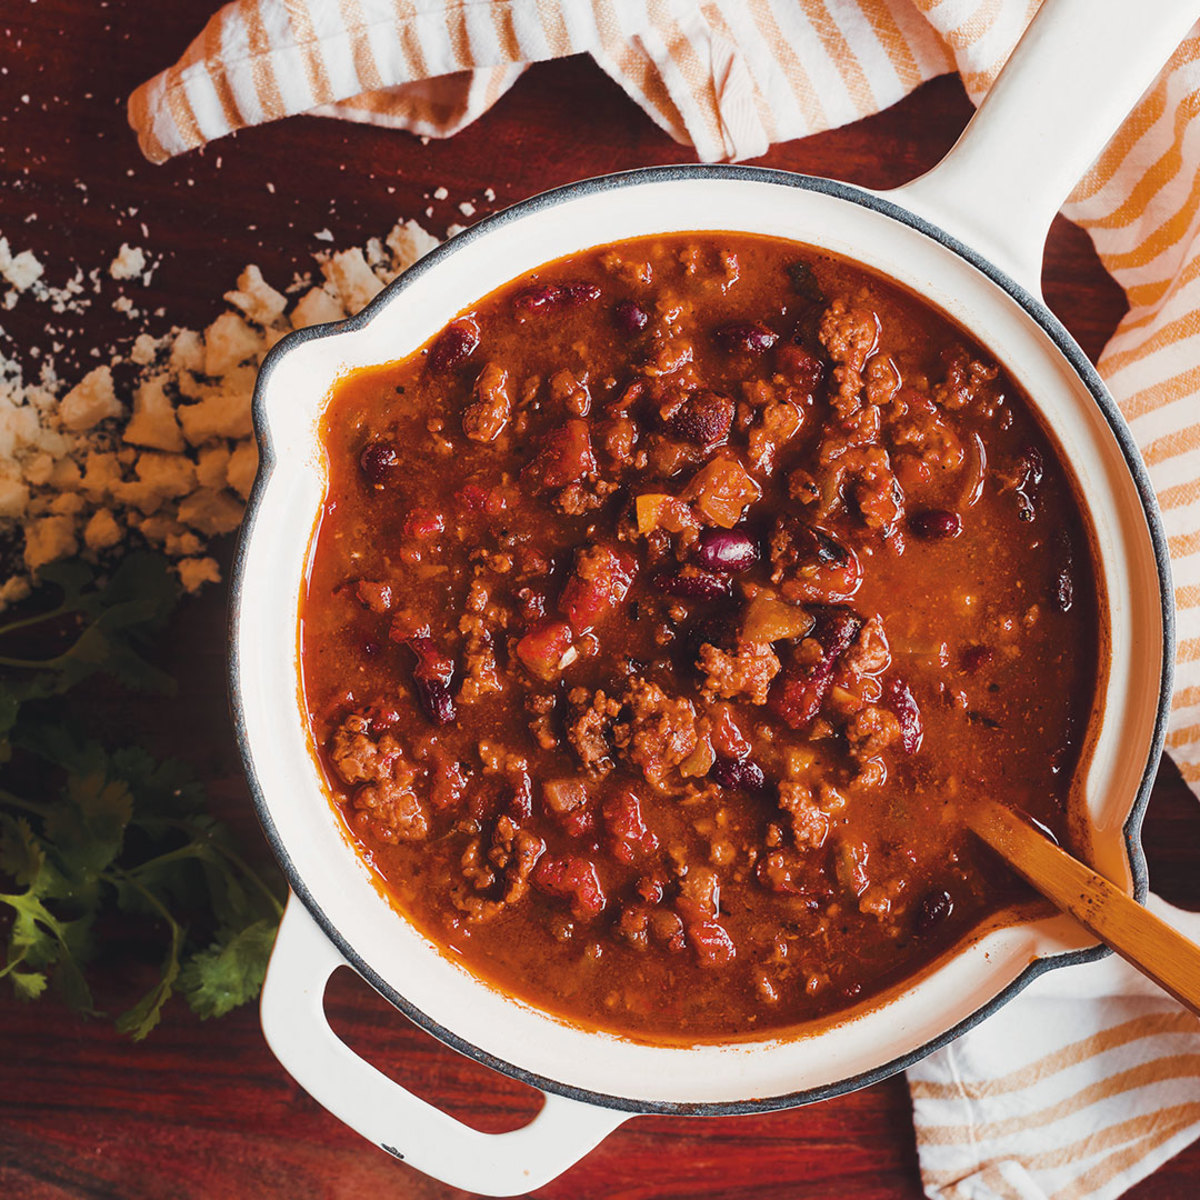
798,759
657,510
769,619
973,488
649,506
721,491
699,762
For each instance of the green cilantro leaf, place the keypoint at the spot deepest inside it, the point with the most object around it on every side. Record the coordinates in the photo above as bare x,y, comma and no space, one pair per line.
29,984
86,828
230,972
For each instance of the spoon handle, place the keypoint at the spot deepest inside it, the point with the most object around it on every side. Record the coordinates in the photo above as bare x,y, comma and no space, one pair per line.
1135,933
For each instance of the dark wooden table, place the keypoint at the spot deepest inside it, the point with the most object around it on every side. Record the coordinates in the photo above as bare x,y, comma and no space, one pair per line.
203,1110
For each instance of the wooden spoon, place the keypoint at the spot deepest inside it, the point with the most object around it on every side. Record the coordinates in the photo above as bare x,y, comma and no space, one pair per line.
1136,934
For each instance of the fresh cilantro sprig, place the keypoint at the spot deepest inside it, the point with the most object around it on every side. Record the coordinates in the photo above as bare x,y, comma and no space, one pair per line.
90,834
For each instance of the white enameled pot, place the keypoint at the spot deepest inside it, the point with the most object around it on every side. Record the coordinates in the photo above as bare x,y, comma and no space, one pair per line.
967,236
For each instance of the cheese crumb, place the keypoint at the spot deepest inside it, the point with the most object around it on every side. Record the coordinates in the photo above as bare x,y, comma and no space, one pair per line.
102,532
129,263
195,572
408,242
316,307
90,401
21,270
227,342
48,539
257,299
352,280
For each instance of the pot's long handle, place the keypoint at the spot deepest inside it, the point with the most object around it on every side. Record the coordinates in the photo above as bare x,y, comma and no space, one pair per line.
1075,75
503,1164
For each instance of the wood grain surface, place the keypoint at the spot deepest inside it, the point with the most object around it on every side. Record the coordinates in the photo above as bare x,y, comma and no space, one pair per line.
203,1110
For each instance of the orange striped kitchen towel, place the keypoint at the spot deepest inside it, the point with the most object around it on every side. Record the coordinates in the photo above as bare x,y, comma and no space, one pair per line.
1081,1087
730,77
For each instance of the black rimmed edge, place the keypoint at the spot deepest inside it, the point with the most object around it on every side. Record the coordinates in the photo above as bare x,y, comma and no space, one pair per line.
1070,350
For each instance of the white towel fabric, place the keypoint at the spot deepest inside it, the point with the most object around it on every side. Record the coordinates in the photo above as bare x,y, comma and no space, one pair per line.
1083,1085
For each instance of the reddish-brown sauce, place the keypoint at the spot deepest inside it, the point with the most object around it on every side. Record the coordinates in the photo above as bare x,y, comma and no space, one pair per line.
666,610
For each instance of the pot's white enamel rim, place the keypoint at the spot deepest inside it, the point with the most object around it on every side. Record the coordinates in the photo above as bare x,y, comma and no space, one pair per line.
337,914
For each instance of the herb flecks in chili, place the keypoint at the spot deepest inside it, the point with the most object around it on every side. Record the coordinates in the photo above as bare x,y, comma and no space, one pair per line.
665,610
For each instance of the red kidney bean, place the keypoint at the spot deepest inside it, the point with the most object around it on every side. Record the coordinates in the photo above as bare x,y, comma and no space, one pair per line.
800,691
742,774
935,524
455,344
433,676
703,419
630,318
800,365
377,462
745,335
546,297
695,583
933,910
726,550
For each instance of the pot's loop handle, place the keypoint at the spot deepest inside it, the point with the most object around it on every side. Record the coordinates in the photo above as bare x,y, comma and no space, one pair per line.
296,1029
1071,81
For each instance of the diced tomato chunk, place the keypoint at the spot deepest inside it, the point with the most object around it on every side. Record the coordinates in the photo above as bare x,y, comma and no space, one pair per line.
568,801
712,944
543,647
727,738
473,498
602,578
629,836
573,879
565,457
423,523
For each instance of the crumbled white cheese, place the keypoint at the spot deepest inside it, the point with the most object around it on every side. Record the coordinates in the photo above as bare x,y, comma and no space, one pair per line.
102,531
355,283
257,299
242,468
167,454
212,464
90,401
195,572
409,242
129,263
316,307
48,539
228,341
22,270
154,423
